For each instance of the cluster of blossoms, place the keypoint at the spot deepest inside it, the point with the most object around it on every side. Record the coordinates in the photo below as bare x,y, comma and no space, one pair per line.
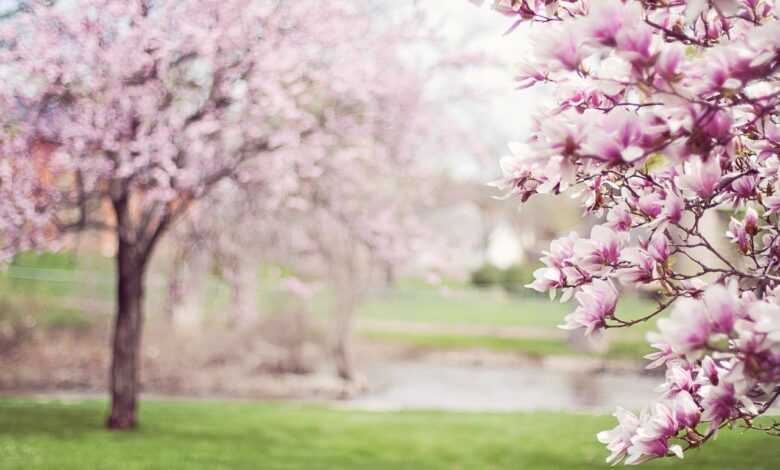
666,116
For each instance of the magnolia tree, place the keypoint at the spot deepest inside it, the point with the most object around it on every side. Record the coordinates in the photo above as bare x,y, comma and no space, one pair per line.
119,115
667,113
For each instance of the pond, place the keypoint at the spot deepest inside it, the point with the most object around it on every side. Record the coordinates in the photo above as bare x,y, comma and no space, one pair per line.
424,385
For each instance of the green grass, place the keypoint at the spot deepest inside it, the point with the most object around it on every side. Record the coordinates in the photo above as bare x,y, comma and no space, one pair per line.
65,290
533,347
54,276
473,306
220,435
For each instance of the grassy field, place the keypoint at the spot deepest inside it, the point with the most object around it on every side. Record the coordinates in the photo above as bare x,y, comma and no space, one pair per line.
482,307
532,347
220,435
469,306
62,290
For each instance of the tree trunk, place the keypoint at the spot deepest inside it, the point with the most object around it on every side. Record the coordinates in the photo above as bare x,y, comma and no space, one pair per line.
131,266
345,367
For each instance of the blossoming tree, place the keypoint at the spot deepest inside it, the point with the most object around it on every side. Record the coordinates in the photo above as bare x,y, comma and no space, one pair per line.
666,113
351,214
120,115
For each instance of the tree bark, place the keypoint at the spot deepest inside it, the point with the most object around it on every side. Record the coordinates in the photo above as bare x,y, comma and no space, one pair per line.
128,324
345,367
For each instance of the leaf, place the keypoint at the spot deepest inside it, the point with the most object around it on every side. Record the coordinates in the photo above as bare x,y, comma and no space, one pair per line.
655,162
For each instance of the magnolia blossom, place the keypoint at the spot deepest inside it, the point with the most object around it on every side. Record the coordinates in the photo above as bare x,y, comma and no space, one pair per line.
618,440
723,308
666,116
601,250
597,302
658,247
700,177
657,425
687,329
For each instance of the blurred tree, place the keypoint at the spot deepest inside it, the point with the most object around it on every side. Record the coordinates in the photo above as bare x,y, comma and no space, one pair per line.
352,215
150,106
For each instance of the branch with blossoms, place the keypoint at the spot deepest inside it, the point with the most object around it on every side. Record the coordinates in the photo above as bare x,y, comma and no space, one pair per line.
666,115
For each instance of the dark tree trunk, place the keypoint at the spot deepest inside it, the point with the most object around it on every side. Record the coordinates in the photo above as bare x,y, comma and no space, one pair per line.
135,242
345,367
131,266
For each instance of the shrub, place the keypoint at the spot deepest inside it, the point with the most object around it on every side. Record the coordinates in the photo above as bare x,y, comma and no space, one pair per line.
516,277
487,275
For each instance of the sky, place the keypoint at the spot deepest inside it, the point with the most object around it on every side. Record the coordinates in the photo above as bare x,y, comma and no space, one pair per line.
502,113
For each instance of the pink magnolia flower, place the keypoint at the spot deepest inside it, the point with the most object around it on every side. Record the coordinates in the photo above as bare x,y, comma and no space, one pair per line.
597,302
668,63
750,221
767,318
673,207
737,234
679,378
773,202
701,177
651,204
744,187
559,137
686,410
634,43
515,172
720,402
618,439
709,371
546,279
660,357
718,125
601,250
687,329
723,307
658,425
641,267
564,45
658,247
618,138
561,251
751,342
556,259
608,19
529,73
619,219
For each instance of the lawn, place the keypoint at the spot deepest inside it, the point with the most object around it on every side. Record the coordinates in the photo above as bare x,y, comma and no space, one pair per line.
222,435
63,290
532,347
52,277
469,306
483,307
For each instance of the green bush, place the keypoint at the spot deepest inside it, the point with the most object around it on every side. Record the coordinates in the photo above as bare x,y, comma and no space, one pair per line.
517,276
486,276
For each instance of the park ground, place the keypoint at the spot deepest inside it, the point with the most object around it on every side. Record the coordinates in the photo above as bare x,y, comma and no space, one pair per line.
55,325
67,435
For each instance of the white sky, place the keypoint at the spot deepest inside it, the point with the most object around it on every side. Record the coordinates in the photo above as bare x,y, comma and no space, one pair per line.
502,113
